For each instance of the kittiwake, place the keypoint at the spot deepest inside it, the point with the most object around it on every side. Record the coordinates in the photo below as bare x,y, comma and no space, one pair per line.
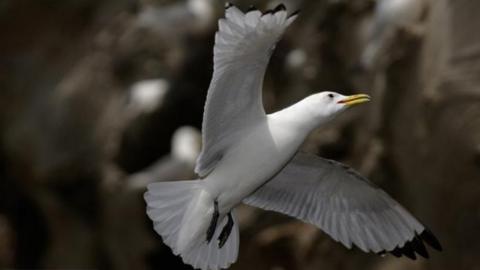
252,157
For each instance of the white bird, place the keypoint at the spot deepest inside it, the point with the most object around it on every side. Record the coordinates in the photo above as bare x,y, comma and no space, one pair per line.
147,95
251,157
181,17
389,16
185,147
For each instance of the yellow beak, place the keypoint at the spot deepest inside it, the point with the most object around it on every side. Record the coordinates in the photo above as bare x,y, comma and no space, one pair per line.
355,99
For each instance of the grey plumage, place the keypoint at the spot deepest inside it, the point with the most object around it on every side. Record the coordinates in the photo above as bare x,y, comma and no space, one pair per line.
345,205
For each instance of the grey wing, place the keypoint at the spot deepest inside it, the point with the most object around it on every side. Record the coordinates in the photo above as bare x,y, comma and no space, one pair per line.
243,46
345,205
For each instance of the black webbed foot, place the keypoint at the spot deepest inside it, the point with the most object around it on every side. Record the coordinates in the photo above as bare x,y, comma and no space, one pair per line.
213,223
227,229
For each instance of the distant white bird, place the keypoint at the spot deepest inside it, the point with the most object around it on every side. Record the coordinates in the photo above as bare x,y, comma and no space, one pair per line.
251,157
186,144
183,16
185,147
145,96
296,58
389,16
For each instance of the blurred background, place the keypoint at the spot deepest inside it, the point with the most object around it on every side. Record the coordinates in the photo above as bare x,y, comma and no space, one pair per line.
100,98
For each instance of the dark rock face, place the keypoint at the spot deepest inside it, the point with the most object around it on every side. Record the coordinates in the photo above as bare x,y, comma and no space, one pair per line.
71,150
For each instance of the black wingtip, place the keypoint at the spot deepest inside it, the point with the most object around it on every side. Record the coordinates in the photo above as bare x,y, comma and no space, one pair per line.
396,252
295,13
268,11
408,251
431,240
228,5
280,7
419,247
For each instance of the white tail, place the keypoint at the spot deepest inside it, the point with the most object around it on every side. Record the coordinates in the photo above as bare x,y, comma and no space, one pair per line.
174,208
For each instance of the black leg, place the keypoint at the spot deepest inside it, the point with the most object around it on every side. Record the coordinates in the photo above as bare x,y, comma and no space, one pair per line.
213,223
227,229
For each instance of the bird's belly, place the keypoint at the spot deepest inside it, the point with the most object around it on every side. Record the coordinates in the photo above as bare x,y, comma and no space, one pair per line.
250,164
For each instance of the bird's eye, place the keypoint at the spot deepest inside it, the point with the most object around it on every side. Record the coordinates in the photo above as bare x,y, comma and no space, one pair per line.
330,95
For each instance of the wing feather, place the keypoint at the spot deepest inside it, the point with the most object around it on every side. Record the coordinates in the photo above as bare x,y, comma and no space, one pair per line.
243,46
345,205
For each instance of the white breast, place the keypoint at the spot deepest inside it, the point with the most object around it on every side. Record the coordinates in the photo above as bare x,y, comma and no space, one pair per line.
252,162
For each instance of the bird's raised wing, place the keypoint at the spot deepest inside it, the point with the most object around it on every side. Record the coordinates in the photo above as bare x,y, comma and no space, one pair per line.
243,46
345,205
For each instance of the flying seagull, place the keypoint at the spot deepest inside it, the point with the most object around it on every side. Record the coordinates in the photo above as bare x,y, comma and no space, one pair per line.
252,157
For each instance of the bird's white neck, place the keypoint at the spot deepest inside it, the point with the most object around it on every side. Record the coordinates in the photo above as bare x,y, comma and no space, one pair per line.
299,117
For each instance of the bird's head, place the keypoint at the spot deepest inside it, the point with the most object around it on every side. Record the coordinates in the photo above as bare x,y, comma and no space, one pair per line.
326,105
